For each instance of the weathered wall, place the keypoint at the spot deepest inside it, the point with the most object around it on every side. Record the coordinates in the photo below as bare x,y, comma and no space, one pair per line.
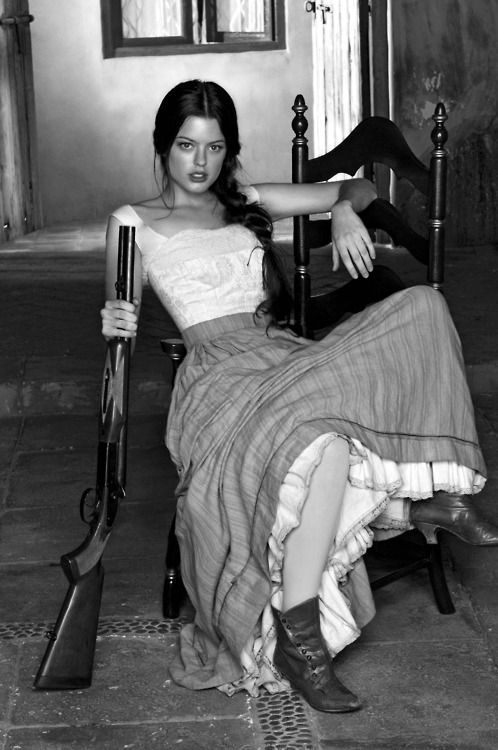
95,116
446,51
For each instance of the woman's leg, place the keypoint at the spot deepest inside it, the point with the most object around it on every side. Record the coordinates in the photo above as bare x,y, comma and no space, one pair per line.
307,547
301,653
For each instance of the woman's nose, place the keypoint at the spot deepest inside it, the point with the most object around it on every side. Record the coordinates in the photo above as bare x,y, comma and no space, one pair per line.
200,156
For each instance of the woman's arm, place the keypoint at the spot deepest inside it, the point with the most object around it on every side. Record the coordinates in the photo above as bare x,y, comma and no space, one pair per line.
282,200
119,318
351,241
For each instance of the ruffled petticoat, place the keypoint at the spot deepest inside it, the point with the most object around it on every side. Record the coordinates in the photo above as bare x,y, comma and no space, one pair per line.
375,505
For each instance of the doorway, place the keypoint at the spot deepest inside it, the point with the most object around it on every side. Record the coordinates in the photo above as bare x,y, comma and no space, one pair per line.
336,72
352,71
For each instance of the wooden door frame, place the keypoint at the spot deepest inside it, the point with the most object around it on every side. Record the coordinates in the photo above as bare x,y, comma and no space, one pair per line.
376,74
20,210
375,46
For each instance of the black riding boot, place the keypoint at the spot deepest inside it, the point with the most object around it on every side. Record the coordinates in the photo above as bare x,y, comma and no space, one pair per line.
302,657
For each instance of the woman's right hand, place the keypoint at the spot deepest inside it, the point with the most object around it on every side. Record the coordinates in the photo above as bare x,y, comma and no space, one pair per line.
119,318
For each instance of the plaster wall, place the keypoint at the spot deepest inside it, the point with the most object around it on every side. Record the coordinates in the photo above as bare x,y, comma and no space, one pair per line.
447,51
95,116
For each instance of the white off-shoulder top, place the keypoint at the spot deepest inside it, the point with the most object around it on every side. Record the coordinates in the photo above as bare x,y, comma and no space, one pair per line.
199,274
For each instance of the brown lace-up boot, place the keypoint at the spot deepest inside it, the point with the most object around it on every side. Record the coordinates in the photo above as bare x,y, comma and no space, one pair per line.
302,657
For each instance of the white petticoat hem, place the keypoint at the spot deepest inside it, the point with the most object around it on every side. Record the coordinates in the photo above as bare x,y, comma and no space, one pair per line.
376,503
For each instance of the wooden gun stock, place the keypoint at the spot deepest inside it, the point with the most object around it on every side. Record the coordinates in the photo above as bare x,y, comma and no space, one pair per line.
68,660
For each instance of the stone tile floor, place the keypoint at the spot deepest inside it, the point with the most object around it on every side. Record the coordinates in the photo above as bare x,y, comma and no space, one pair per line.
427,680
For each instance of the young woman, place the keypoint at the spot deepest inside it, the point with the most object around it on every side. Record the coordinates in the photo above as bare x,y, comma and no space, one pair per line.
289,452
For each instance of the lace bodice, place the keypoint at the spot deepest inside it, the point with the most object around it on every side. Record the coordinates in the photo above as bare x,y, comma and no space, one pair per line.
200,274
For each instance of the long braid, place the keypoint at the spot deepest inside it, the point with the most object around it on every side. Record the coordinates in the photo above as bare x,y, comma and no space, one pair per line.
278,302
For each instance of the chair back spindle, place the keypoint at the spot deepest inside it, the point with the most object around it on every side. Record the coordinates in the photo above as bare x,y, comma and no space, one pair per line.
302,280
437,204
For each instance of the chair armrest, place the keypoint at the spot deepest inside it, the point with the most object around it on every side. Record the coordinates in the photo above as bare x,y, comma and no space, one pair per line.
381,214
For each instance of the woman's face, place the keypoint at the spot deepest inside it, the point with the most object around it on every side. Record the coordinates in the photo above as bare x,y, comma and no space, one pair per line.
196,156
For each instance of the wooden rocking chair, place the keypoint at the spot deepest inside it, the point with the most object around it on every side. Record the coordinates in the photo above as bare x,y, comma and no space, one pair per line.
375,140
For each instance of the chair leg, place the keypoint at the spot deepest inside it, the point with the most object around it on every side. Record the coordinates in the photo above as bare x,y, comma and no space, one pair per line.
174,591
438,580
409,559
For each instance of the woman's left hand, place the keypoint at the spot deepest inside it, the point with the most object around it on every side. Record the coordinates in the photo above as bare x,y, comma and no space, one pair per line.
351,241
119,318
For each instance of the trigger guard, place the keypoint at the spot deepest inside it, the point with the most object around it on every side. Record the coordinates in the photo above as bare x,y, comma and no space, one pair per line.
83,506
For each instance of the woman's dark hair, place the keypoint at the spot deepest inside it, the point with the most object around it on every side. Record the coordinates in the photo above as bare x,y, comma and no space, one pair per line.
209,100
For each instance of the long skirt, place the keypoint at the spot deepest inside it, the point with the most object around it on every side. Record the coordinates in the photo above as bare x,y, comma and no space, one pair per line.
252,413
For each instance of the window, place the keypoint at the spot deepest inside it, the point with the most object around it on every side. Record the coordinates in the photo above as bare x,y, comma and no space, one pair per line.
176,27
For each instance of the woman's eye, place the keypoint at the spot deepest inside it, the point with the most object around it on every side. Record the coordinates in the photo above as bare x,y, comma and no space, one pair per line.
216,147
184,145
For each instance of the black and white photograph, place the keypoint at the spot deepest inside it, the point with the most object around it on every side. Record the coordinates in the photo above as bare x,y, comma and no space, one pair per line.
249,375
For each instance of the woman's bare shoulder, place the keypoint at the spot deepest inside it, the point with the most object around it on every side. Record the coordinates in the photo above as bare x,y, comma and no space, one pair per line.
124,214
150,210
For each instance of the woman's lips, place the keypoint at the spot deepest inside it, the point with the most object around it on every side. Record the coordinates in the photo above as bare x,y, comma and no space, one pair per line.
198,176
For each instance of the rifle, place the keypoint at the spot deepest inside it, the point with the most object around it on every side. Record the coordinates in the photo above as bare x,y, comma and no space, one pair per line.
68,660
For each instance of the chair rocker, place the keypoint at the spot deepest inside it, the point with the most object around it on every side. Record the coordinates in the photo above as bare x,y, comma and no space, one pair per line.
375,140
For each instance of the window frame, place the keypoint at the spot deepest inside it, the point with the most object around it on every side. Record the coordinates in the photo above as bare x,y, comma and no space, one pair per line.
115,45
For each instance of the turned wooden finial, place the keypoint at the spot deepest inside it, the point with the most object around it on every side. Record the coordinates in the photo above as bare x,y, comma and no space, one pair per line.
299,142
299,122
439,135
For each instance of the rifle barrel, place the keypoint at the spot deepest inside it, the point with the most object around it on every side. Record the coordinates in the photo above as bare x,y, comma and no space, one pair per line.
68,660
